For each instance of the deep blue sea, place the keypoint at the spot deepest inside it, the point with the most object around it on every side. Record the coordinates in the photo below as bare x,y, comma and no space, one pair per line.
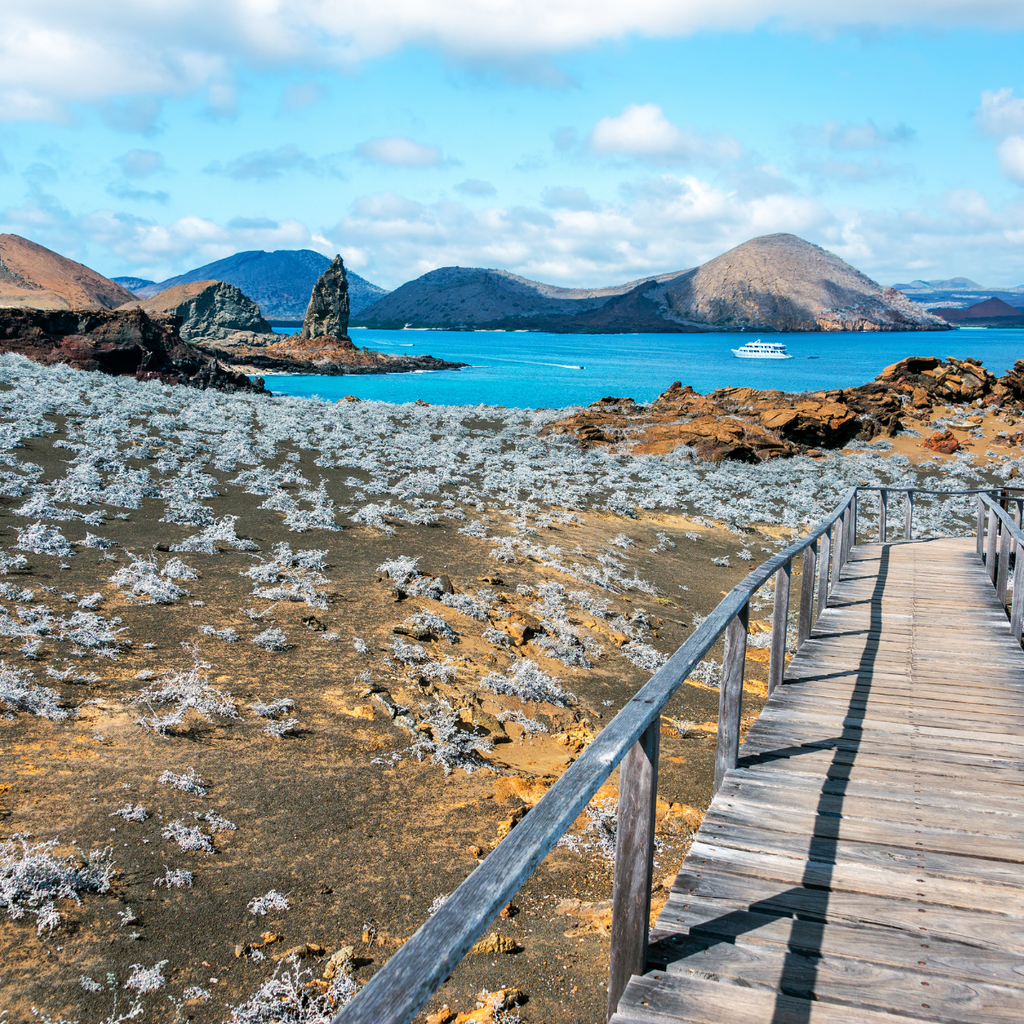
528,370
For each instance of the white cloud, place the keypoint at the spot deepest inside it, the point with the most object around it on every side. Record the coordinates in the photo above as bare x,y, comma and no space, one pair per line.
1011,158
56,52
399,151
1001,113
643,131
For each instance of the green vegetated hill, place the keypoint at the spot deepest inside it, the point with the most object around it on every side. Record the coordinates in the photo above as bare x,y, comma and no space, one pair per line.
280,282
773,283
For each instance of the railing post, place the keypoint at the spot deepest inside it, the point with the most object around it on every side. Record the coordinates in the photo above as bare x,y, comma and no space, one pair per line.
1004,562
883,503
803,629
853,523
1017,608
826,547
634,858
780,626
839,555
981,527
993,535
908,521
730,695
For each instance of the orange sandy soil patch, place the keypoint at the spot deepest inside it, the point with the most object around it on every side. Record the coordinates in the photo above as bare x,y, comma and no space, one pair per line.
339,815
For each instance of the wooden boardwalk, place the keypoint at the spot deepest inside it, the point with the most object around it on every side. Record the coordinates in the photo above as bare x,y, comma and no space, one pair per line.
865,861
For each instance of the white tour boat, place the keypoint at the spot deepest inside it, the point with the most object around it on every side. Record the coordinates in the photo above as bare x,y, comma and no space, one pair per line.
762,350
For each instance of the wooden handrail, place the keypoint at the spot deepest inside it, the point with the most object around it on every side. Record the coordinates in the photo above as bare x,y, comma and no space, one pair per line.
402,987
1003,526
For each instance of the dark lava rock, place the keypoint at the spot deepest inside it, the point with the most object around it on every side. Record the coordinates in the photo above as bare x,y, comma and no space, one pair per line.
118,342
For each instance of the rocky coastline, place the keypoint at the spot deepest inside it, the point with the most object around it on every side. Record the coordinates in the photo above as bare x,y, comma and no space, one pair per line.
748,425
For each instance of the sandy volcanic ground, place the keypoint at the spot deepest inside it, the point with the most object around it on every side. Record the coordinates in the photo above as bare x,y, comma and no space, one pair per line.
202,591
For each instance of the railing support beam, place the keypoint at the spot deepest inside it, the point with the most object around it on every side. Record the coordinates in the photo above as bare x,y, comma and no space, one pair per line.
1017,608
981,527
634,860
993,536
908,517
780,627
1002,571
730,695
803,629
883,504
823,559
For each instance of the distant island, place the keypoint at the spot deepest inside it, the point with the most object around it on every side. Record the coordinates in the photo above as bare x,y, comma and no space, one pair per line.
772,283
201,334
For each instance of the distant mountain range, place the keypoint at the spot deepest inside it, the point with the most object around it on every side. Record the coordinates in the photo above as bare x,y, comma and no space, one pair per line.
773,283
280,282
958,293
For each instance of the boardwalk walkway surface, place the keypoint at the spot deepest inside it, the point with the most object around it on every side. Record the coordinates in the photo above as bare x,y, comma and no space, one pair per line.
864,861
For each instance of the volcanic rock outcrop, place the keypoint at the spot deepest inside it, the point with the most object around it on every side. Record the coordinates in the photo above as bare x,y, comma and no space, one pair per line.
32,276
209,310
750,425
118,342
327,312
322,346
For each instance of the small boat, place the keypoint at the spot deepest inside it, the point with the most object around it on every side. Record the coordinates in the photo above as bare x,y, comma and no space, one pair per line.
762,350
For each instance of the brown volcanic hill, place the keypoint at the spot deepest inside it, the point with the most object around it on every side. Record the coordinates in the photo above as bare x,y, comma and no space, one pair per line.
990,313
209,310
36,277
782,283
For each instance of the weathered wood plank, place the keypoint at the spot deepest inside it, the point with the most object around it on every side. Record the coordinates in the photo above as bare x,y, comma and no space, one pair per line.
848,981
733,921
634,852
659,998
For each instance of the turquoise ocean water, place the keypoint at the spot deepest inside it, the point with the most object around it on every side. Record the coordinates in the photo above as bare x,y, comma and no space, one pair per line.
529,370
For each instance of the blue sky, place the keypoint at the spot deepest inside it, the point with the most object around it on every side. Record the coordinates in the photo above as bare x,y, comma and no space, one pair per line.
574,143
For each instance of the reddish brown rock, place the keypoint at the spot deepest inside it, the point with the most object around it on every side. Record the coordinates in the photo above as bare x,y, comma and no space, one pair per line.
945,443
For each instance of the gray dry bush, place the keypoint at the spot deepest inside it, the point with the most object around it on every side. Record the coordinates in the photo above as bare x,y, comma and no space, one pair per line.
33,877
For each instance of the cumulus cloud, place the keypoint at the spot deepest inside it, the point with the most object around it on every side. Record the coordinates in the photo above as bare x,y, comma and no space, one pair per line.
59,52
399,151
272,164
664,223
844,137
1001,114
475,187
140,163
1011,158
643,131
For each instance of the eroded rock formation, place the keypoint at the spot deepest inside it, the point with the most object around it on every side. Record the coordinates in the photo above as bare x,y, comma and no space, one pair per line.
327,312
209,311
118,342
